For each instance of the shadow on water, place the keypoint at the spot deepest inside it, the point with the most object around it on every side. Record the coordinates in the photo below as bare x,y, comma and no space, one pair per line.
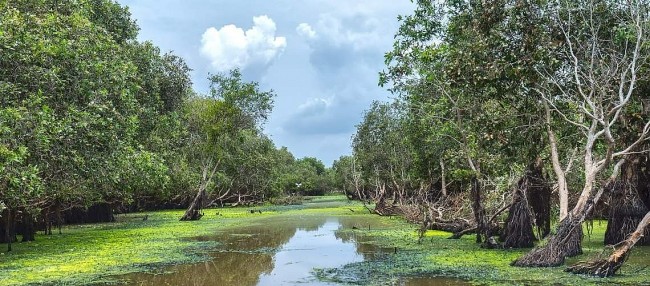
279,251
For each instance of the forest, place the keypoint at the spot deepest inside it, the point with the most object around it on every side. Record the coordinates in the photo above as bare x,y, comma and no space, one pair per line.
515,121
95,122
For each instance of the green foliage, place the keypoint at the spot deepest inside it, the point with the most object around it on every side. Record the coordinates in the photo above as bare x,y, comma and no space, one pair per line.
254,105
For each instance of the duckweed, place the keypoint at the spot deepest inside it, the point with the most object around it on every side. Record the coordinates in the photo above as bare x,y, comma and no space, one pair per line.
464,259
95,253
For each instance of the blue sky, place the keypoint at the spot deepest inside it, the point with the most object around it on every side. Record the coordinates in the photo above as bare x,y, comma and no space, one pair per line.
321,57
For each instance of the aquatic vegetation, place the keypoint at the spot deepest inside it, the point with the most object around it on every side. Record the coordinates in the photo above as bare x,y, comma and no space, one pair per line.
97,253
94,252
439,256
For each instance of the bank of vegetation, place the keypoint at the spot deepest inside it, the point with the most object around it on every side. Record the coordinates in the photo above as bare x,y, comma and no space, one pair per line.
94,122
516,121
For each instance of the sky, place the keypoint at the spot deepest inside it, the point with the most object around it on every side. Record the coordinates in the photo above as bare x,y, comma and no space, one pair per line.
321,57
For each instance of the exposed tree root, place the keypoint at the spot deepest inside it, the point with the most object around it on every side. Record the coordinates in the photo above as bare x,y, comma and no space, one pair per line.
518,231
626,205
601,267
566,243
608,267
194,210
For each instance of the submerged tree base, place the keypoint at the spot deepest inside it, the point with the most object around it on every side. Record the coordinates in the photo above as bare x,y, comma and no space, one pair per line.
600,268
566,243
608,267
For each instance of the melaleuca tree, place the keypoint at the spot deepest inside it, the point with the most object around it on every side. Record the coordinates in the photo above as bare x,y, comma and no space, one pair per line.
233,114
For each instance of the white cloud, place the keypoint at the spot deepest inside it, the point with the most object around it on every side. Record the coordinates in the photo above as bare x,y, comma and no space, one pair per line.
315,105
231,46
358,31
305,30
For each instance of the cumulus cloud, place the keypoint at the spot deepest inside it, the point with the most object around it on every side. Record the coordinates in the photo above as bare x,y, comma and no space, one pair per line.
343,43
346,53
230,46
305,30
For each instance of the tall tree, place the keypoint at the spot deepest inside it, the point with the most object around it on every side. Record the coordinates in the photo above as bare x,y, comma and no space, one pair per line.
216,126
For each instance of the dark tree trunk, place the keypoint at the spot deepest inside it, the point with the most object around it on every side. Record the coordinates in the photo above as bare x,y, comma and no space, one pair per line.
28,228
539,198
194,210
9,228
47,221
530,196
59,217
626,207
482,228
518,231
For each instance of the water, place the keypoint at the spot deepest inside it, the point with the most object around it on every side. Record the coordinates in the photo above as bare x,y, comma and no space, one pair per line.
279,251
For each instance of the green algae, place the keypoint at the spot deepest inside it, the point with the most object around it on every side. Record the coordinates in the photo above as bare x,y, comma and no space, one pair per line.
94,253
97,253
438,256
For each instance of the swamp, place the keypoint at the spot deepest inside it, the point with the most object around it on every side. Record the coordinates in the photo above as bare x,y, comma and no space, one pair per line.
325,241
369,142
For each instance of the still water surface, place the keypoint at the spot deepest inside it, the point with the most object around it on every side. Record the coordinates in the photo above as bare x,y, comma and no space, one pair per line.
280,251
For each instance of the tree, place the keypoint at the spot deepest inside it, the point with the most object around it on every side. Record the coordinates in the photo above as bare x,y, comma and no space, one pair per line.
87,105
604,49
383,155
465,70
216,126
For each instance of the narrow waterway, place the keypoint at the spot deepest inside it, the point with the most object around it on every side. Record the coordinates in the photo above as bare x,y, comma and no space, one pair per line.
280,251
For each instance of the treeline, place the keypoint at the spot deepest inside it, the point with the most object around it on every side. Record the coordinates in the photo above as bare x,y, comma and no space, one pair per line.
512,114
93,121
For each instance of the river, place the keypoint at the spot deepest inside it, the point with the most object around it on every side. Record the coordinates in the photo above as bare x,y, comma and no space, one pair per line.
282,250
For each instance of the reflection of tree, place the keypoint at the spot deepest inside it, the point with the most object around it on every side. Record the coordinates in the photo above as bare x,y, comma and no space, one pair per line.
241,258
227,268
270,233
367,250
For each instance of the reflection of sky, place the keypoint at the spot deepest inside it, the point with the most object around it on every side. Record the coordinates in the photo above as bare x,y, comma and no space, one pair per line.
307,250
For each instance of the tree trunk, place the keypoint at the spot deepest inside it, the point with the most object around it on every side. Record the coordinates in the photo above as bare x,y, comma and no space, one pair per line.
29,230
482,228
562,186
9,228
532,195
518,231
626,208
539,198
194,210
608,267
59,217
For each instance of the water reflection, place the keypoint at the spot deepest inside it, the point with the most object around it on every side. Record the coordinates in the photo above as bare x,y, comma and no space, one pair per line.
276,251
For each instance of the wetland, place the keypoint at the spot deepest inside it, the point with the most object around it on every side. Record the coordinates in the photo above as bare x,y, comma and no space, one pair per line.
325,241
